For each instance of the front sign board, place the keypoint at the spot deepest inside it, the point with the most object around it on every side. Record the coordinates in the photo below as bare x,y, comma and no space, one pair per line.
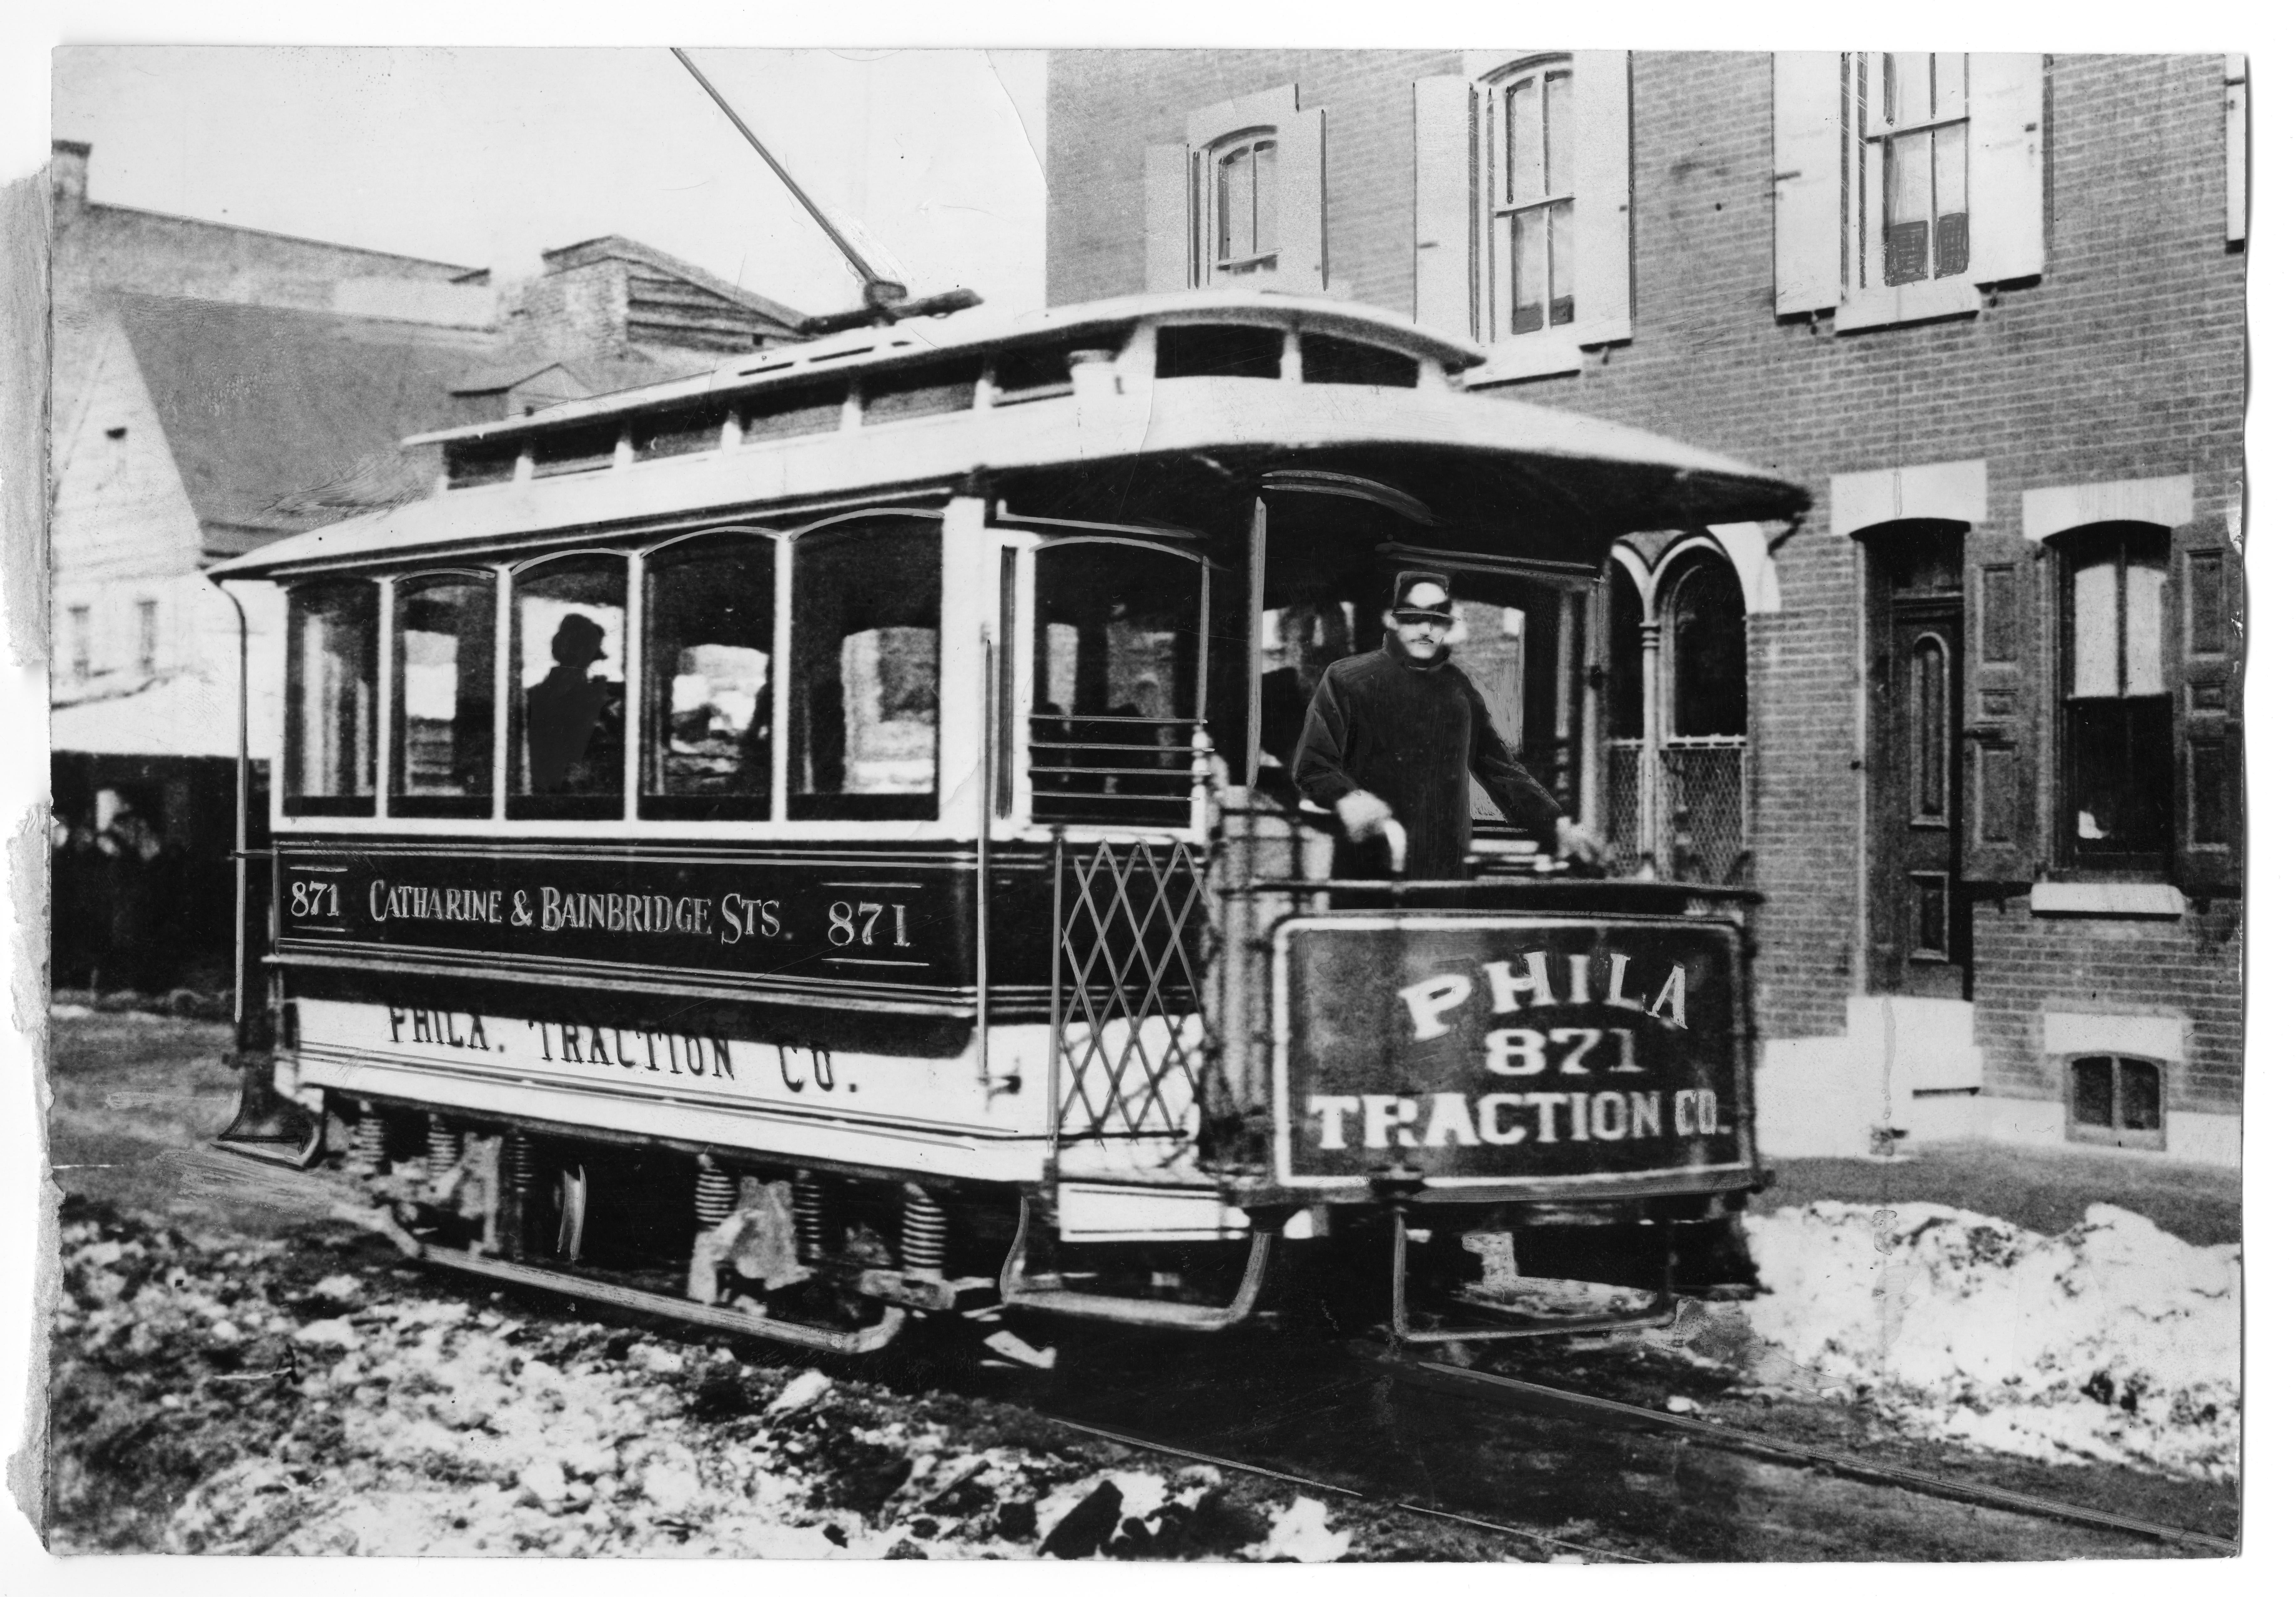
891,924
1472,1049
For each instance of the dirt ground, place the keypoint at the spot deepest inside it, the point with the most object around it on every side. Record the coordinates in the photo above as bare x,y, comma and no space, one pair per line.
233,1373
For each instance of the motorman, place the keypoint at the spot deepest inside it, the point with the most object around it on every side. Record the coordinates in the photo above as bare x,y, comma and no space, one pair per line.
1395,734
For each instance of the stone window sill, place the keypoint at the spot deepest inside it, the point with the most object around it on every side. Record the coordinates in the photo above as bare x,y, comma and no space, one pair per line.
2143,899
1925,302
1553,353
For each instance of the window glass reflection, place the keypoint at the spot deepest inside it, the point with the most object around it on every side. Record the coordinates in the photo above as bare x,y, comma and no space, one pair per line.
709,640
866,696
443,655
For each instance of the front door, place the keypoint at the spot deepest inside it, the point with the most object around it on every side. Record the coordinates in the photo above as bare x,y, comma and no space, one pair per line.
1919,913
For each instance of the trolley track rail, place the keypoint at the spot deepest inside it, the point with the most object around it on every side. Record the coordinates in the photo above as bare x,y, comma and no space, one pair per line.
1369,1367
1536,1397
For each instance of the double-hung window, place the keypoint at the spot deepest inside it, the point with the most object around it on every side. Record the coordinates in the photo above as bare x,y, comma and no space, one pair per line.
1524,207
1528,120
1903,182
1914,163
1241,203
2117,753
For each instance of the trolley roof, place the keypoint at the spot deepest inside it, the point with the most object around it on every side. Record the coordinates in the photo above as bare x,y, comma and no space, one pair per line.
1497,474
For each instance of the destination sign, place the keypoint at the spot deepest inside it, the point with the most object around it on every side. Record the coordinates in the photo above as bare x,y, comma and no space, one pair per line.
1475,1048
905,923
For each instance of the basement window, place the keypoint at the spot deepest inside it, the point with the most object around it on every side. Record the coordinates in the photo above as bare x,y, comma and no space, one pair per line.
2114,1100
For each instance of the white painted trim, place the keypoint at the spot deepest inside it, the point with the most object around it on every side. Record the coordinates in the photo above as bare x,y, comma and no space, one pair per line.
1748,545
1948,490
1210,124
2161,502
1925,302
1554,352
2159,899
2147,1036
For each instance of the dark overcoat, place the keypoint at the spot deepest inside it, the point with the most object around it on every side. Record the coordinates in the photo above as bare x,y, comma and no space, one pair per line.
1413,734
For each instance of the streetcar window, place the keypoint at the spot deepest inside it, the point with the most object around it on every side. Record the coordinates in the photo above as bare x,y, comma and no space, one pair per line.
476,464
659,436
935,389
1219,350
1343,360
709,682
443,693
331,699
575,449
1115,696
865,645
793,412
566,654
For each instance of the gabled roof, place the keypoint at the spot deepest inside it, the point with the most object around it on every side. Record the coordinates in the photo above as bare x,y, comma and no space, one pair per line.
283,420
613,246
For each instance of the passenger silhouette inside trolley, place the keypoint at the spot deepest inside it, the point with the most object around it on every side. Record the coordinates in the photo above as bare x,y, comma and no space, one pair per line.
574,720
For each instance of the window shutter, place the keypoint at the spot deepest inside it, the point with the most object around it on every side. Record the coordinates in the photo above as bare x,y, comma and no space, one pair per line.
2236,149
1806,178
2210,633
1605,207
2005,167
2004,676
1299,202
1443,299
1165,217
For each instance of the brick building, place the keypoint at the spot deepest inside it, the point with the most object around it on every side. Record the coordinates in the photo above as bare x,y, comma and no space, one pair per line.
216,387
1972,726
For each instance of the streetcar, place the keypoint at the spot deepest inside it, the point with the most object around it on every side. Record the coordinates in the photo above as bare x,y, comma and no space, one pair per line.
809,847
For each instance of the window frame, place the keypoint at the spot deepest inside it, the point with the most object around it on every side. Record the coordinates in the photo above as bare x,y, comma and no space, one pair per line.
2154,1138
1026,595
292,802
657,806
398,803
842,808
1496,213
1216,266
1875,140
2069,555
575,807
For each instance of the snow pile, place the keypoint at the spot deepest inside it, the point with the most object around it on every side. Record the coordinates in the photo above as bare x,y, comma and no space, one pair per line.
2114,1342
213,1397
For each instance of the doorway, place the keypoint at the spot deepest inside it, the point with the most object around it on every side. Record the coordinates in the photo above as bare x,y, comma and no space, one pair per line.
1918,911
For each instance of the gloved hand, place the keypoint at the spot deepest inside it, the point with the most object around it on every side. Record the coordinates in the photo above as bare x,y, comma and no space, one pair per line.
1575,842
1362,813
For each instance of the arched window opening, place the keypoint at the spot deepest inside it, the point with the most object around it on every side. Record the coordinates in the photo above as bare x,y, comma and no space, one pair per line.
2119,746
1704,759
2116,1100
443,696
566,630
1623,679
708,739
1929,707
864,693
331,698
1244,206
1116,698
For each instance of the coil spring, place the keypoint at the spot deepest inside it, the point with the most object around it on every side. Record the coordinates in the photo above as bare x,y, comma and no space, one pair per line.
924,1234
367,1142
810,1207
713,1194
520,1158
446,1147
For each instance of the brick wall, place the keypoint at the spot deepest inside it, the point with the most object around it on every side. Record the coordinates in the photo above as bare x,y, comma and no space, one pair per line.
2125,360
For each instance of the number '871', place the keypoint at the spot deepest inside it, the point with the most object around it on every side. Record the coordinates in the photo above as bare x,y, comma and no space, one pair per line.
852,924
314,901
